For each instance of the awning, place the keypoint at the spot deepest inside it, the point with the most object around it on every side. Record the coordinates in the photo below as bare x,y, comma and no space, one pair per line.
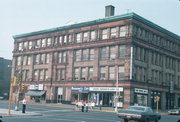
35,93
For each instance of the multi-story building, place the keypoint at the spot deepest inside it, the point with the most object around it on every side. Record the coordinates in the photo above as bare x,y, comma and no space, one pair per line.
5,77
86,62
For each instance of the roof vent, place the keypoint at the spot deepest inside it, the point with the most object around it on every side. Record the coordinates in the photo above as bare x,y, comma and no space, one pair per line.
109,10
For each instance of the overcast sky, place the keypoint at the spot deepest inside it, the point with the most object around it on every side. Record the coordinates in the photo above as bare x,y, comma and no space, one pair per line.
24,16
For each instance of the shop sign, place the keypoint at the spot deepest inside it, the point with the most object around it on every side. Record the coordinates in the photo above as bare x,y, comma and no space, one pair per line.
60,91
36,87
81,89
142,91
111,89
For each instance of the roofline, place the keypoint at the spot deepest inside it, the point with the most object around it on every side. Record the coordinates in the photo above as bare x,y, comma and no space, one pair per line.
101,21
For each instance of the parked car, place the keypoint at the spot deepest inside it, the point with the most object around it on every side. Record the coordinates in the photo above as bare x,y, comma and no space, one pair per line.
138,113
174,111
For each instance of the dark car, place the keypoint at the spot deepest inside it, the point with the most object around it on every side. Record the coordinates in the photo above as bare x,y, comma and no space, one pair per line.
138,113
174,111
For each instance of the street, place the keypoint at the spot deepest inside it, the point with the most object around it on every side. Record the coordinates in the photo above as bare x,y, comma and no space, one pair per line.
55,114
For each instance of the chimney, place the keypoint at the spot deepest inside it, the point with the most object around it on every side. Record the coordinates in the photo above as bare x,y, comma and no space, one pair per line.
109,11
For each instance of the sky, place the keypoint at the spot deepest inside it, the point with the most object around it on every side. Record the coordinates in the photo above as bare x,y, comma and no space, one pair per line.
24,16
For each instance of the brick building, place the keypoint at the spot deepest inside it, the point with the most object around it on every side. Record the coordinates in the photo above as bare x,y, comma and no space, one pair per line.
82,62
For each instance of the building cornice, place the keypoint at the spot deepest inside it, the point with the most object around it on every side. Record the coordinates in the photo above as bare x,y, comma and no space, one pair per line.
101,21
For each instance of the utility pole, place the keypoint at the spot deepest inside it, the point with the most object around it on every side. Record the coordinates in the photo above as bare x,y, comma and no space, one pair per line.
157,103
117,82
10,94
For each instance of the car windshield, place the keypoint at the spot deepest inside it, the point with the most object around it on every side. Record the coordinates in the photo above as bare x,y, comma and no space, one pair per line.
136,108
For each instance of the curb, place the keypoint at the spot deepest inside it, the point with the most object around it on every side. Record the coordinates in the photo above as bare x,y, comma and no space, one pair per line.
16,115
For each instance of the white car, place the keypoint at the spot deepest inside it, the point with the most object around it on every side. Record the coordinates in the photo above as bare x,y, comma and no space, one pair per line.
174,111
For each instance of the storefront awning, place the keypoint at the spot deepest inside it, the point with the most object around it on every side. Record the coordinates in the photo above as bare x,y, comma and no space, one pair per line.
35,93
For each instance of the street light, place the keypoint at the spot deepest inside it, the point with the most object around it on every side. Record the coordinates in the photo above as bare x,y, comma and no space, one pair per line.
117,82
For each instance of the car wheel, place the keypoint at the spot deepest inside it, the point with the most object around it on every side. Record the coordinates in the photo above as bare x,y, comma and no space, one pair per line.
156,120
125,120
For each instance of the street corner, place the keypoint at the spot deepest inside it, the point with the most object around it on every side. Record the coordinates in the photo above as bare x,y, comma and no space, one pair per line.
18,114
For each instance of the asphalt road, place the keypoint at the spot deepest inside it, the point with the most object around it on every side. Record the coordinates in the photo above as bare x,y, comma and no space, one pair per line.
51,114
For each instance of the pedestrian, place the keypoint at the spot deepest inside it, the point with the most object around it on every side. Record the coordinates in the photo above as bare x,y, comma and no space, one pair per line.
86,107
82,107
24,105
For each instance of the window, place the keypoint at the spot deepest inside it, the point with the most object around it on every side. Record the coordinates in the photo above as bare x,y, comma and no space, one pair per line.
102,73
85,36
91,54
62,74
121,73
29,60
41,74
60,57
58,74
24,60
25,45
43,42
111,73
70,38
90,73
35,75
112,52
60,40
104,34
19,60
83,73
122,51
30,45
92,35
65,39
55,40
42,59
64,57
38,43
76,73
123,31
84,54
103,53
78,38
113,32
78,55
48,41
47,58
37,59
46,74
20,46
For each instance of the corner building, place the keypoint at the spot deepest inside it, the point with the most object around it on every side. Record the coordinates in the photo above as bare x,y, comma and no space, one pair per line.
85,61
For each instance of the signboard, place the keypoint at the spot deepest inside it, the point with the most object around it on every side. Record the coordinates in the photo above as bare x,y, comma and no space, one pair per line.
80,89
36,87
110,89
142,91
60,91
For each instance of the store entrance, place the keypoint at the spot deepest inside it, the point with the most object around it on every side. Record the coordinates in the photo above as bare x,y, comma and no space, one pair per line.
107,99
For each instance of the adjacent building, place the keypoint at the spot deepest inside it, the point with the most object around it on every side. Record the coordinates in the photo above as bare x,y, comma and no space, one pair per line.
5,77
124,57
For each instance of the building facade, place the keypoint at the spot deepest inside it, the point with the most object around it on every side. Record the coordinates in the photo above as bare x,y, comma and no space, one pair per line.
87,61
5,77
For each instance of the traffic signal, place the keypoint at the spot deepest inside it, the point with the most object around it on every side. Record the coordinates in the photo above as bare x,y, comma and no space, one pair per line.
14,80
22,87
157,98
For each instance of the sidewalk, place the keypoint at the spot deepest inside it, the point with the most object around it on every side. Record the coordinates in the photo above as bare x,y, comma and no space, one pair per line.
4,113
